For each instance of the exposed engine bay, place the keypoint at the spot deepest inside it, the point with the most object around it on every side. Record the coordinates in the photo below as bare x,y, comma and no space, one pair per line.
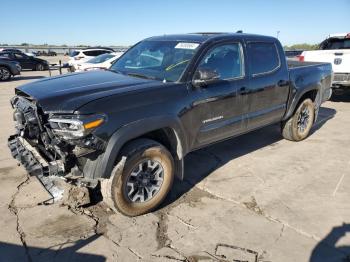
51,147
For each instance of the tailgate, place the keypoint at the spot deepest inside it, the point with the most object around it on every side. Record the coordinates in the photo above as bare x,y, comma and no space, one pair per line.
339,58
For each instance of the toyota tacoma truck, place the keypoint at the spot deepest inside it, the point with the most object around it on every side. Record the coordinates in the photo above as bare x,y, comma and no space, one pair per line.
335,50
129,128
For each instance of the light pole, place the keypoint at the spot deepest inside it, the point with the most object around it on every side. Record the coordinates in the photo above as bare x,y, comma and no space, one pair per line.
278,33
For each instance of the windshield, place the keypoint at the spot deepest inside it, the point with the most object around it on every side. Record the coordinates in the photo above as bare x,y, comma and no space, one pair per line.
336,43
100,58
160,60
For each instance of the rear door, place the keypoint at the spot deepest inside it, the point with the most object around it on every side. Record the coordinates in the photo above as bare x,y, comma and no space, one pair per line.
25,61
268,84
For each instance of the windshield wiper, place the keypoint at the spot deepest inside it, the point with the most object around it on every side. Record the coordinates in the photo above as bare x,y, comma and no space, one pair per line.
142,76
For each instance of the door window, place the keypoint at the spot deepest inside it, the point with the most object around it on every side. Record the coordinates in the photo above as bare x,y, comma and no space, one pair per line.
5,55
262,57
225,60
91,53
19,56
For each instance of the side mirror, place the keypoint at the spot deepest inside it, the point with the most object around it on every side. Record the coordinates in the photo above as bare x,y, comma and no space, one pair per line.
204,76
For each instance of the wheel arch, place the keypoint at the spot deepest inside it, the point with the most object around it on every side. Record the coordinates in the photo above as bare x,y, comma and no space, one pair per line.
8,68
164,130
312,92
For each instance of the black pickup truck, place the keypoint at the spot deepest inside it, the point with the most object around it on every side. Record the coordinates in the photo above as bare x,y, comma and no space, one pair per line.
130,127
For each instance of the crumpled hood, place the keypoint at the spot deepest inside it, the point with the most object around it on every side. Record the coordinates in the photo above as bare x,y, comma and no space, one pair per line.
67,93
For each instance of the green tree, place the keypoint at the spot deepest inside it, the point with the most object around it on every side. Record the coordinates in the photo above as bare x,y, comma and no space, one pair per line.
303,46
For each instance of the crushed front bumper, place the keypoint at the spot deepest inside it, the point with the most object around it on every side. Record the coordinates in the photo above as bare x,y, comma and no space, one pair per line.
48,173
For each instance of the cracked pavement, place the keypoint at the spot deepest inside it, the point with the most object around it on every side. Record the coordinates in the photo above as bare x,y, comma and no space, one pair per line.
252,198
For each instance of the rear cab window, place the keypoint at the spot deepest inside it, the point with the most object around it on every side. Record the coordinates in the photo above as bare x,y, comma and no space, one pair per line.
263,58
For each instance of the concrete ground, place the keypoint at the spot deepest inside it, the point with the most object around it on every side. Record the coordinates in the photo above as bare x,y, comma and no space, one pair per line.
253,198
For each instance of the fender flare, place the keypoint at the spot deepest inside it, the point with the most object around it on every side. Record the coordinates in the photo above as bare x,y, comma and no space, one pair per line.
298,95
103,165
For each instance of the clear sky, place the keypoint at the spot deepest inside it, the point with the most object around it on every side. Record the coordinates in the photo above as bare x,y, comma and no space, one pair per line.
109,22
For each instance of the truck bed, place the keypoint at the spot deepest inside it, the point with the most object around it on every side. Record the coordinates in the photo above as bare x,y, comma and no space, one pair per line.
311,74
294,64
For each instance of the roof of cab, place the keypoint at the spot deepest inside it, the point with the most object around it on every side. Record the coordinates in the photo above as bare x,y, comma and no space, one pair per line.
202,37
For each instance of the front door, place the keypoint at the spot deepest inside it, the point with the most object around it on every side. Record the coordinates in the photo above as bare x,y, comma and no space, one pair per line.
219,105
24,60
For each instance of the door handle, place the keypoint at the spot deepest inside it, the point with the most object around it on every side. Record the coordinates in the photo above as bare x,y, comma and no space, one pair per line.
282,83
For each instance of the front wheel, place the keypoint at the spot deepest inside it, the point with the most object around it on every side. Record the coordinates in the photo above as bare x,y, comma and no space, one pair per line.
5,74
146,179
299,125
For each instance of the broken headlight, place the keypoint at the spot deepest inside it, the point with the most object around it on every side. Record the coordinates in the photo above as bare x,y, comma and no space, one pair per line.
73,126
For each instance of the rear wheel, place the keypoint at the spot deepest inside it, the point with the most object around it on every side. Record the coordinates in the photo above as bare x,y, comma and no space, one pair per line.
299,125
5,74
39,67
146,179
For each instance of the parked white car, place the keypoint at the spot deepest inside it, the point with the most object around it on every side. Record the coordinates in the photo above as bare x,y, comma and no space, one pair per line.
83,55
98,62
335,50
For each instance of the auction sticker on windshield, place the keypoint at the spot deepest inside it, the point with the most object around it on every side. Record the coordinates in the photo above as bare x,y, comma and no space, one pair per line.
187,45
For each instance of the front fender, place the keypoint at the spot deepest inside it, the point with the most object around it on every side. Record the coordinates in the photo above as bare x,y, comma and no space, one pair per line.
103,165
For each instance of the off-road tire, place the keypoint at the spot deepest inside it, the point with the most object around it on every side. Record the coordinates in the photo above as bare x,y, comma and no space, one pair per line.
290,130
134,153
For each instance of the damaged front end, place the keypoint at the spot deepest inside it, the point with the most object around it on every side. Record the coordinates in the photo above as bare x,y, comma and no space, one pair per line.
54,147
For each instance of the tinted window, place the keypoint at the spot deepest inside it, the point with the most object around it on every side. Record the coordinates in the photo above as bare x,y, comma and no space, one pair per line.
263,57
335,43
90,53
95,52
5,55
74,53
225,60
100,52
19,56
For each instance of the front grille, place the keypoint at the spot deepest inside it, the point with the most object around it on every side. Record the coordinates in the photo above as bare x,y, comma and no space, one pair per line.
341,77
26,117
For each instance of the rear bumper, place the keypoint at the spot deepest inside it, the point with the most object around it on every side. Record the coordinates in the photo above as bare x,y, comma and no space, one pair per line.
341,79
